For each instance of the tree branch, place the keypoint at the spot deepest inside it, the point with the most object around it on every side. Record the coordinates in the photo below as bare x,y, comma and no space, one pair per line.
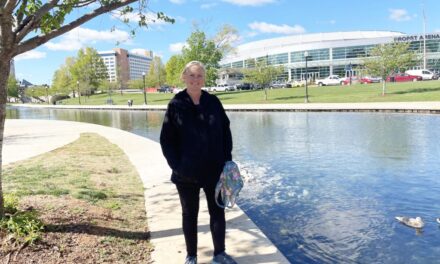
9,6
32,22
41,39
19,18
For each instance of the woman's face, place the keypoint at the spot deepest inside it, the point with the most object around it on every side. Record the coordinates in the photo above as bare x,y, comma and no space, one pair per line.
194,78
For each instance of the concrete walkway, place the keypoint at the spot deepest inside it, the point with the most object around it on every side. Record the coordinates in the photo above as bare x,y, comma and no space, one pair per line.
245,242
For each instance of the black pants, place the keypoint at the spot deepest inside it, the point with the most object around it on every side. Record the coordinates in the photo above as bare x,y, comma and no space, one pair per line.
189,199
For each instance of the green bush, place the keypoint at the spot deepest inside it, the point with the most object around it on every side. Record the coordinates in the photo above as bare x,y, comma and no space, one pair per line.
58,97
10,203
25,226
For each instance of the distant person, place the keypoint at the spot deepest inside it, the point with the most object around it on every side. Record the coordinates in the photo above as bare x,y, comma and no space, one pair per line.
196,141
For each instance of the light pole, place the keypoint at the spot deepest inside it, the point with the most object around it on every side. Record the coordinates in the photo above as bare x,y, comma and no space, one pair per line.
77,86
145,93
47,93
306,56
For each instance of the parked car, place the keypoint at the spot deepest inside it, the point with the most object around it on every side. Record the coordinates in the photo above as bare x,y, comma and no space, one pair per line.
244,86
222,88
370,79
403,77
278,84
330,80
298,83
164,89
425,74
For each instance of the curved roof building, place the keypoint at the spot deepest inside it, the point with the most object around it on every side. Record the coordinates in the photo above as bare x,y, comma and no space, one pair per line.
329,53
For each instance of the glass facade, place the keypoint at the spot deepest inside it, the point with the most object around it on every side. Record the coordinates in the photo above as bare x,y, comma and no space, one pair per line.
333,60
351,52
314,55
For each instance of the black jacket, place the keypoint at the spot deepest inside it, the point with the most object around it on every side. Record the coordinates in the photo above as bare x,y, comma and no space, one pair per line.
196,139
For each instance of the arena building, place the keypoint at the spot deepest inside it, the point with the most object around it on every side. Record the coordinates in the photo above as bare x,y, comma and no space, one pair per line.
328,53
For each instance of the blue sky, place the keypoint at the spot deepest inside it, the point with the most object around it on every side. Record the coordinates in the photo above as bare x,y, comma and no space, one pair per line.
254,20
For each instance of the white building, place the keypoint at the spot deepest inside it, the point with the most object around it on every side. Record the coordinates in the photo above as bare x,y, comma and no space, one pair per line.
329,53
125,65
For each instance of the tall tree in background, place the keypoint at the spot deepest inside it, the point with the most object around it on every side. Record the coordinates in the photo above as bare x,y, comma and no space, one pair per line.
62,80
156,75
202,49
12,87
387,59
89,69
262,74
174,69
28,24
207,50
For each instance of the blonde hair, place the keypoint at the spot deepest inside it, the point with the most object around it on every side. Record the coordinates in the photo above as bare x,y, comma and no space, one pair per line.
192,63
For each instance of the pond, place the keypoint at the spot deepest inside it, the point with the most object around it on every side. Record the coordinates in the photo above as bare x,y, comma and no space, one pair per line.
324,187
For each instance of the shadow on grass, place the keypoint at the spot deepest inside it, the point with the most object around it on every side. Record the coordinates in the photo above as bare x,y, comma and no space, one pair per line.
289,98
417,90
85,228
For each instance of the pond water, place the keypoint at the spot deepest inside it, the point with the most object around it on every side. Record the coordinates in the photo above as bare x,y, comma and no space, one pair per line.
324,187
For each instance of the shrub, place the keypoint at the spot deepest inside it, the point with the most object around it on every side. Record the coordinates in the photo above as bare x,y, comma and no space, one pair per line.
58,97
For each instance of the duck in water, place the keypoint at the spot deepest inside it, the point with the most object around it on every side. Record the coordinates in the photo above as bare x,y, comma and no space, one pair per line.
411,222
438,220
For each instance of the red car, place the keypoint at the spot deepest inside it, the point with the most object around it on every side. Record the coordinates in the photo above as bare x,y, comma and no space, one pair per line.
363,80
403,77
369,79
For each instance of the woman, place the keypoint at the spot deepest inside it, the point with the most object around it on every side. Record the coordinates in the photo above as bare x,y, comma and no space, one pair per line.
196,141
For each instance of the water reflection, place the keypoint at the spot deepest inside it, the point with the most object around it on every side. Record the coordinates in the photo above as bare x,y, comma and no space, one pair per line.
324,187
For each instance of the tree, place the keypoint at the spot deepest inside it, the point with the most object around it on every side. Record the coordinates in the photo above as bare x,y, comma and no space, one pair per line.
387,59
204,50
156,75
62,81
28,24
174,69
262,74
89,69
12,87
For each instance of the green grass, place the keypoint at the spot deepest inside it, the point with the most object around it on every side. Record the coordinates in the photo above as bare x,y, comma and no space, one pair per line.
90,169
395,92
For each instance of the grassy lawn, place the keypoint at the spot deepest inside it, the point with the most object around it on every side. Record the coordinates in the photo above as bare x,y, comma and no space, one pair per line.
90,200
395,92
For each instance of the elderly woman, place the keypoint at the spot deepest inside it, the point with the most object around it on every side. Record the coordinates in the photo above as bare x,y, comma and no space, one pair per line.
196,141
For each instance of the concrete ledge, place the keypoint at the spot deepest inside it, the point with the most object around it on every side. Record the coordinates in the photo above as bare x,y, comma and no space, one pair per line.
395,107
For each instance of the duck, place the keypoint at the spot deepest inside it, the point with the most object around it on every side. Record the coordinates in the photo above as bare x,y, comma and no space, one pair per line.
411,222
438,220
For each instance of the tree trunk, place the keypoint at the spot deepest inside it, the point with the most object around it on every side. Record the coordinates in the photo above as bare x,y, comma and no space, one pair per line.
383,87
4,75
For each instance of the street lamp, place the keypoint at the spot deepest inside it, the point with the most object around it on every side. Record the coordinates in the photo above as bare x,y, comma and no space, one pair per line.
145,94
307,57
47,93
77,86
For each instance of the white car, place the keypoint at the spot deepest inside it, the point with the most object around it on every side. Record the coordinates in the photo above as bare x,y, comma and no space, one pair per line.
330,80
222,88
425,74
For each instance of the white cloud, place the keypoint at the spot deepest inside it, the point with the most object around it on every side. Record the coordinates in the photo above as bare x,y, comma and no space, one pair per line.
249,2
80,37
178,2
30,55
399,15
264,27
208,6
177,47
